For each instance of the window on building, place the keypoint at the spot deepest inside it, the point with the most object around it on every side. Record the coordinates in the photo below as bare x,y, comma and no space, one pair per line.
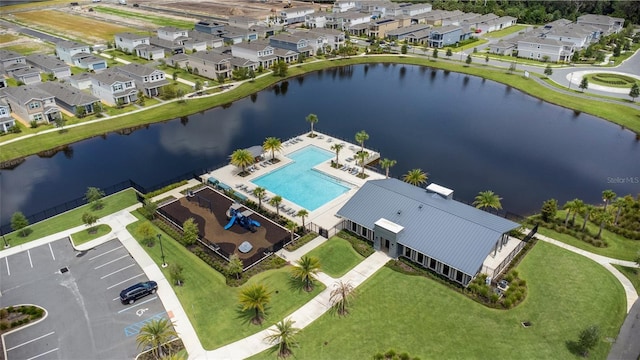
34,105
407,252
37,117
433,263
364,232
354,227
459,276
117,87
420,258
445,270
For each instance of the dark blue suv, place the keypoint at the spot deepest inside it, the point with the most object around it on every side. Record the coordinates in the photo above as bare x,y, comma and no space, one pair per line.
137,291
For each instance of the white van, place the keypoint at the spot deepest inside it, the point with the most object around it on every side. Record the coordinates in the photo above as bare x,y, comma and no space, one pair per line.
122,2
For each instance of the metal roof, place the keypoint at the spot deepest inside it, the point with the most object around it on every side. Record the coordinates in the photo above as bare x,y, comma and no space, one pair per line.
453,233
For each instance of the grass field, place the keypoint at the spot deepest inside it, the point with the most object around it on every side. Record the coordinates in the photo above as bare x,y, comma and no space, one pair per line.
84,236
212,306
337,256
156,20
28,48
617,113
73,218
77,27
567,293
5,38
633,274
35,4
625,82
507,31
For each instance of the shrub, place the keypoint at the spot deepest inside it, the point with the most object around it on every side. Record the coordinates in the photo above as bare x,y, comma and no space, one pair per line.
508,303
4,313
4,325
33,124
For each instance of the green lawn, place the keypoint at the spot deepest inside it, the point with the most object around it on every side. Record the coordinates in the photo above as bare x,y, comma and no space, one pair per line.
212,305
156,20
618,113
84,236
633,274
336,256
567,293
73,218
507,31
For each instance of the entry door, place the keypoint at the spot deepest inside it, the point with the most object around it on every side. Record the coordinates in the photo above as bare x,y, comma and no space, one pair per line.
386,245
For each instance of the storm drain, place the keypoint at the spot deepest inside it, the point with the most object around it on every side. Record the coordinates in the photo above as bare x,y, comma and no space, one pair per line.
64,270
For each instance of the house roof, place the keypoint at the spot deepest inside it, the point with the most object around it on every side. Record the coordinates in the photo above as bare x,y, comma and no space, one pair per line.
110,77
254,45
25,72
67,93
240,62
131,36
70,45
408,29
136,69
90,59
445,29
24,94
209,56
46,62
9,55
167,44
454,233
171,29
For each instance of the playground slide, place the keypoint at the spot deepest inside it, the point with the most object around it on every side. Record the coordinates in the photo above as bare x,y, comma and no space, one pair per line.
231,222
255,223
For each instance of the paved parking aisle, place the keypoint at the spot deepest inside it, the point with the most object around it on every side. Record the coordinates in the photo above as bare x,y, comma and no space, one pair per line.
80,291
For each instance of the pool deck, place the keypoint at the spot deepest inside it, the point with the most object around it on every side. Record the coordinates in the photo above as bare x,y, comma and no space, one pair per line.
323,216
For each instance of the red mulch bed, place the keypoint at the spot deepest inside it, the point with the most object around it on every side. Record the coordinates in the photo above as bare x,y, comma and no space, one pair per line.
211,224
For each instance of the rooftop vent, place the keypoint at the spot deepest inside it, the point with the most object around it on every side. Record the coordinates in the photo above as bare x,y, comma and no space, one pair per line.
399,212
440,190
420,206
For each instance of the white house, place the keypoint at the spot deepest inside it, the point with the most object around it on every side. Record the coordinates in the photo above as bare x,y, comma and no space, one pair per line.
294,15
50,65
6,121
540,48
258,51
128,41
113,88
147,79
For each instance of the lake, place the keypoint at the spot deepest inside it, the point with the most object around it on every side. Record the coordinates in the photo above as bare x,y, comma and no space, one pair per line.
467,133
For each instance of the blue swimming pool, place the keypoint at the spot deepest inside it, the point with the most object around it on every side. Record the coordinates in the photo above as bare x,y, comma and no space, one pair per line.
299,183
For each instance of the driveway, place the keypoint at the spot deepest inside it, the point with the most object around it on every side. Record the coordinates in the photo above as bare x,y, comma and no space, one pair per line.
80,292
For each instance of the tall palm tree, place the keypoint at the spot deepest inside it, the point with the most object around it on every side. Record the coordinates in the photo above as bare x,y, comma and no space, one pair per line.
569,206
607,196
486,199
260,193
155,333
276,201
337,147
242,158
302,213
578,207
386,164
361,137
415,177
341,297
588,209
605,218
283,338
312,119
619,204
362,156
272,144
255,297
291,226
305,270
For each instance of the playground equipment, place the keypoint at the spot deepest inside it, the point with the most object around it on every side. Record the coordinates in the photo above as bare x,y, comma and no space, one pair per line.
241,218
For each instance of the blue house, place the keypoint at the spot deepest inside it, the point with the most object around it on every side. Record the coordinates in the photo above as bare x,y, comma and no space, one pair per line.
446,35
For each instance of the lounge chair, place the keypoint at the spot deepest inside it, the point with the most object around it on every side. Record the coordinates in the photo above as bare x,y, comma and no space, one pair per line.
329,140
349,159
344,167
299,139
291,212
238,186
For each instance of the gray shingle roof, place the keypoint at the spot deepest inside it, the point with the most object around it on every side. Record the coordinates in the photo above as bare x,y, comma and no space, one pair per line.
70,45
24,94
67,93
46,62
9,55
110,77
454,233
136,69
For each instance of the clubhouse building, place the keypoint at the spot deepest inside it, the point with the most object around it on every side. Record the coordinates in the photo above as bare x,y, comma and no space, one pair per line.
443,235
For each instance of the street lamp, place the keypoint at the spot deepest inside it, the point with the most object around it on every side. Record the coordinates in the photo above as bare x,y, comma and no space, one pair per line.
164,264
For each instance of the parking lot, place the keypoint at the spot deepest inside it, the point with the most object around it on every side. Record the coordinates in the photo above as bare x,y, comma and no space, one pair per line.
80,292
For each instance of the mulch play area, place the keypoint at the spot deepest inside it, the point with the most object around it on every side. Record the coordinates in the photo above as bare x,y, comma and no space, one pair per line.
209,210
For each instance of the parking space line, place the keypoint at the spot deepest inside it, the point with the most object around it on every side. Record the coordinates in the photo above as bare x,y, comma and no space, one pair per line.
43,354
112,261
105,253
117,271
6,259
122,282
30,341
137,304
52,255
30,262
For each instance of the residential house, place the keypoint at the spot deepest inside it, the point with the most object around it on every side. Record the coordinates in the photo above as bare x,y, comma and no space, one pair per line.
171,33
291,42
419,37
505,46
500,23
459,20
347,20
127,42
169,46
403,32
90,62
209,64
416,9
147,79
6,120
560,23
240,63
429,227
208,27
263,31
11,61
606,24
71,99
243,22
294,15
152,52
235,35
381,27
445,36
27,75
340,6
78,54
541,48
210,41
439,17
576,34
30,103
258,51
50,65
81,81
315,20
113,88
474,22
330,38
288,56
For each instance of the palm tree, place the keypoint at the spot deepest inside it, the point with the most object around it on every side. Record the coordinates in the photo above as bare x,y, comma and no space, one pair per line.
361,137
588,209
302,213
275,201
607,196
312,119
260,193
341,296
337,147
291,226
362,156
619,204
306,267
386,164
605,218
578,207
283,338
242,158
486,199
569,206
272,144
415,177
155,333
255,297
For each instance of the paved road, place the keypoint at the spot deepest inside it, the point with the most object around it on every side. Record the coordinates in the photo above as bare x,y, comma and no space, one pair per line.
627,345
